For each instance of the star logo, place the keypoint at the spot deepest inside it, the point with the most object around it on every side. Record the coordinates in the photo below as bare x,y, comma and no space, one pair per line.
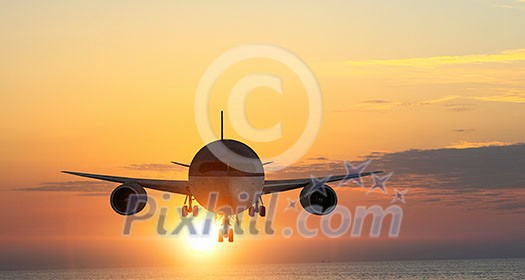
399,196
353,172
318,185
291,205
380,182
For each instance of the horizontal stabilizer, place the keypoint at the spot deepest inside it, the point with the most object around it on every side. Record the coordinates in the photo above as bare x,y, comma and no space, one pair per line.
181,164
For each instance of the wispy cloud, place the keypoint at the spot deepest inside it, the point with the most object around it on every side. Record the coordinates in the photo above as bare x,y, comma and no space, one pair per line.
508,98
459,107
87,187
510,4
151,166
508,56
463,130
449,102
377,101
468,144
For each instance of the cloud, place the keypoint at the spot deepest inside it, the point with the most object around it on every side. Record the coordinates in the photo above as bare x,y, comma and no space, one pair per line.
87,187
514,4
447,101
488,165
482,176
318,158
467,144
377,101
459,107
508,98
462,130
94,194
151,167
508,56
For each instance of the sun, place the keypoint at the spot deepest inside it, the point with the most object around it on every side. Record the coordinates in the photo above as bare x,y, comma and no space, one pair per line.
202,243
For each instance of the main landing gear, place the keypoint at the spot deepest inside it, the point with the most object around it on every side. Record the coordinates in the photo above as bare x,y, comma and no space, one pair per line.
226,231
257,208
187,208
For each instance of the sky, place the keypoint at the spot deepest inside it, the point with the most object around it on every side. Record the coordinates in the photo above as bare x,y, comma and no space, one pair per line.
430,90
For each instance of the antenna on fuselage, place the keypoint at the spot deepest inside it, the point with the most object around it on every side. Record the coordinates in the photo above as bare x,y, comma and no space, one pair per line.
222,126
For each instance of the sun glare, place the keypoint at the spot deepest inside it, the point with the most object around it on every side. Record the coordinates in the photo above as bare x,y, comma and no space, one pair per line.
201,243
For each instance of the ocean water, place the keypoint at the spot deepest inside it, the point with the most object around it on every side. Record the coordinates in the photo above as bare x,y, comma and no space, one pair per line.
442,269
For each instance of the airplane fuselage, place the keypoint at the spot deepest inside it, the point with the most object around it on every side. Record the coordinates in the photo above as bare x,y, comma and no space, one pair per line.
226,176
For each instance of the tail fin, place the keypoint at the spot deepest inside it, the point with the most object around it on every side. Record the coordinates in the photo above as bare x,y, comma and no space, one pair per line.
222,126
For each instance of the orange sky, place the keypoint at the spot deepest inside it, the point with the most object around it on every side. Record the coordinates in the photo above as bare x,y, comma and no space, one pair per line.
110,88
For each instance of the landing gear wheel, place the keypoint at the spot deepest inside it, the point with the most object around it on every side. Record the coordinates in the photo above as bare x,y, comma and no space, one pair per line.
262,211
221,236
251,211
195,211
184,211
230,235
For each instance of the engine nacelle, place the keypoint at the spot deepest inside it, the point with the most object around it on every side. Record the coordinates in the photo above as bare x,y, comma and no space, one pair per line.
128,199
319,201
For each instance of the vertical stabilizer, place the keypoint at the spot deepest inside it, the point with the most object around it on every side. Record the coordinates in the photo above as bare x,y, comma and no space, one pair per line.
222,126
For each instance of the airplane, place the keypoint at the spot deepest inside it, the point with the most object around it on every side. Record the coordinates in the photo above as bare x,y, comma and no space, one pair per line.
225,177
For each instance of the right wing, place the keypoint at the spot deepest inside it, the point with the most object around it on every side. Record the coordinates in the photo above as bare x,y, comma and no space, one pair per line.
172,186
271,186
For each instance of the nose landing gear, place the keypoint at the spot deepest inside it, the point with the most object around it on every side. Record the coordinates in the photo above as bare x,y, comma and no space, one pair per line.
187,208
226,230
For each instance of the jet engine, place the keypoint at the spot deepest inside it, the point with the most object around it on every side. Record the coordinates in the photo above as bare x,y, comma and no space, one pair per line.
318,200
128,199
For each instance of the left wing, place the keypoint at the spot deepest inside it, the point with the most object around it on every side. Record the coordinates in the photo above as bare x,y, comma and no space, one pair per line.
173,186
271,186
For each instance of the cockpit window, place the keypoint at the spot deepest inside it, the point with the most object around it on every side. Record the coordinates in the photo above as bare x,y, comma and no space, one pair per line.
209,167
220,168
